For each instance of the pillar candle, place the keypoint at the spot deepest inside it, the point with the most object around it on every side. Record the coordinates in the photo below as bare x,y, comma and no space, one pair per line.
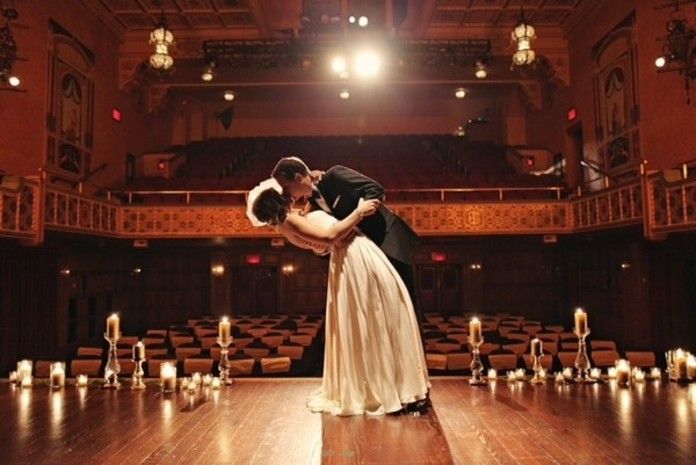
57,375
82,380
580,322
138,351
168,376
112,327
27,381
536,347
623,372
225,329
475,336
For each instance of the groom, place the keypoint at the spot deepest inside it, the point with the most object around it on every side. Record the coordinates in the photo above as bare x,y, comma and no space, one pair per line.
337,191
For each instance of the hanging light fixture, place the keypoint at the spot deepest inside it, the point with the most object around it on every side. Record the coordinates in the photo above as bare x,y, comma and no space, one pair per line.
162,38
208,73
522,36
480,70
8,46
679,49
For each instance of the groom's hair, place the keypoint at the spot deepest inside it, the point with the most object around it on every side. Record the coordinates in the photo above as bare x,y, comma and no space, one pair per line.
288,167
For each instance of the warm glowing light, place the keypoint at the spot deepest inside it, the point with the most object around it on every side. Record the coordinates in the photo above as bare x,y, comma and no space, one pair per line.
344,94
217,270
367,64
481,70
208,73
460,92
351,19
162,38
64,272
363,21
288,269
338,65
660,62
14,81
229,95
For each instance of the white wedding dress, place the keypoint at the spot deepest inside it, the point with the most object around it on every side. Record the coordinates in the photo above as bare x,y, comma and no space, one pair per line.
373,359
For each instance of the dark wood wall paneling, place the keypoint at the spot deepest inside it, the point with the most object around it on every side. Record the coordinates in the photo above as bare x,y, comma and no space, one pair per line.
648,303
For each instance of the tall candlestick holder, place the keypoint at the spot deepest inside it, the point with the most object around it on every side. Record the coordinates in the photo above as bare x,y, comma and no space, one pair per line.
224,365
112,368
537,378
582,361
138,373
476,365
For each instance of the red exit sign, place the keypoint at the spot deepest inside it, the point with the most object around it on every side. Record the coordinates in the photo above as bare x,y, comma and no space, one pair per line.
116,115
572,114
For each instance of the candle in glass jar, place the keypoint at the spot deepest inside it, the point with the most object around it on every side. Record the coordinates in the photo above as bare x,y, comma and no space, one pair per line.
27,381
638,375
568,373
24,368
168,376
196,378
691,366
82,380
57,373
623,372
225,330
595,373
13,377
492,373
560,378
611,372
511,376
192,387
112,327
580,322
207,379
655,373
475,336
542,373
681,364
138,351
215,383
185,382
520,374
536,347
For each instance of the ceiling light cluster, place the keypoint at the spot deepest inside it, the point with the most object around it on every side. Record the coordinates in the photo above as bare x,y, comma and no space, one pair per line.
360,21
523,36
163,39
365,64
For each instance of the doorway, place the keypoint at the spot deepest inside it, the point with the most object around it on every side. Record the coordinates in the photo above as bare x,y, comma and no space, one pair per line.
440,289
254,290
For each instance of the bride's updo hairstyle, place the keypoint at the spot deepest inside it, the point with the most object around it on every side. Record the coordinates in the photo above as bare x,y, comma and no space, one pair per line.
271,207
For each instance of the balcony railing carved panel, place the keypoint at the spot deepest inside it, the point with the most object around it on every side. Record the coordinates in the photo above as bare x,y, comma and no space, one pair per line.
618,206
18,207
672,205
71,211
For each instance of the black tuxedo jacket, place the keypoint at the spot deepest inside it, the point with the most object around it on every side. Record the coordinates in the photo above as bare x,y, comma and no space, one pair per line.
343,187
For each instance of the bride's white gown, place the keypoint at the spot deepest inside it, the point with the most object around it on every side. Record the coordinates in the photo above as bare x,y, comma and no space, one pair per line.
373,359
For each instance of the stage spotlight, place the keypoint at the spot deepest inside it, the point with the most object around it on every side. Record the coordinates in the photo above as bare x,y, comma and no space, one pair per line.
229,95
367,64
338,65
14,81
460,92
363,21
660,62
344,94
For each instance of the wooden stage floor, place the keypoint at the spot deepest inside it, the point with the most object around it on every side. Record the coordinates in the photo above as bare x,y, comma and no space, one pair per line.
264,422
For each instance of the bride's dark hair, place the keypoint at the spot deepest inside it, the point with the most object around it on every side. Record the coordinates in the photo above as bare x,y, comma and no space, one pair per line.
271,207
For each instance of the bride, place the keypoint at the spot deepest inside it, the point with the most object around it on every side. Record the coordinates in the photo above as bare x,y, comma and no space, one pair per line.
373,359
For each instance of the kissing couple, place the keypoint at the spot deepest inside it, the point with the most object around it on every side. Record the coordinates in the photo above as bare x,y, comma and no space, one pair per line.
373,358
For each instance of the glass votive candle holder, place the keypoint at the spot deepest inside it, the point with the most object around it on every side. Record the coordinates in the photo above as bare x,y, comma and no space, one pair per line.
492,374
638,375
655,373
511,376
24,369
168,376
27,382
57,374
559,378
611,372
215,383
196,378
542,373
595,373
623,372
568,373
82,380
520,374
207,379
12,377
192,387
185,382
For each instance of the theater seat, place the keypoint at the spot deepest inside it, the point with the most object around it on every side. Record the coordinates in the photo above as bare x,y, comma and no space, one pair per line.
273,365
545,360
458,360
503,360
604,358
86,365
291,349
567,359
198,365
643,359
89,351
436,361
241,365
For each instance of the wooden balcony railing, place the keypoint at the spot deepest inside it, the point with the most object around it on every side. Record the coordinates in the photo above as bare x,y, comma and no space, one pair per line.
34,205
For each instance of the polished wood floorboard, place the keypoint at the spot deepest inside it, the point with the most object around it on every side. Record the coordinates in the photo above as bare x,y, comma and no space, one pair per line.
264,422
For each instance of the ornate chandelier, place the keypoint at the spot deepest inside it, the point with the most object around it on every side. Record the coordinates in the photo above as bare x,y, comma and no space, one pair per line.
522,36
679,48
8,46
163,39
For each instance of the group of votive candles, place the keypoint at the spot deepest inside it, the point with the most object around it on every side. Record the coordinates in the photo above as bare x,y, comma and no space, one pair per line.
168,380
23,377
622,373
681,365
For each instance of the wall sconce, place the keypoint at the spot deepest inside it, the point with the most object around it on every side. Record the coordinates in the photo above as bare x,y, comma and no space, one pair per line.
64,272
475,266
217,270
625,266
136,271
288,269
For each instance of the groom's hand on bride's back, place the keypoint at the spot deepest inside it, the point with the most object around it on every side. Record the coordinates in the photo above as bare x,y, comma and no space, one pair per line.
368,207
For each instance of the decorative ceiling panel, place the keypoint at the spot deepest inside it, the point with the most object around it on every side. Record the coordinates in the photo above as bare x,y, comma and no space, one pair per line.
122,6
154,7
243,19
482,16
136,21
207,21
448,17
196,6
549,16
